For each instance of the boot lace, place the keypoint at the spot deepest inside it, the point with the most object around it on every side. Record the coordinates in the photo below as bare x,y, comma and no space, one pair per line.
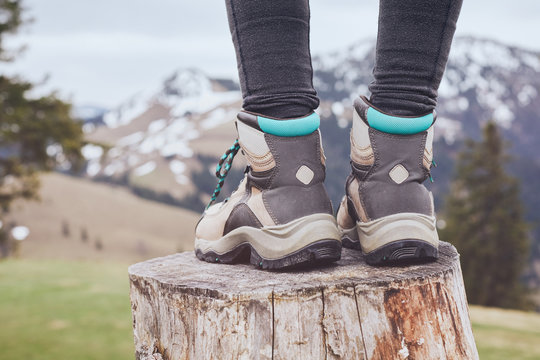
222,169
429,171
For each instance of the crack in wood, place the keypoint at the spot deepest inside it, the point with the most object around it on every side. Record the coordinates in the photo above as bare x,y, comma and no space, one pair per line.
300,340
273,325
359,320
438,317
323,326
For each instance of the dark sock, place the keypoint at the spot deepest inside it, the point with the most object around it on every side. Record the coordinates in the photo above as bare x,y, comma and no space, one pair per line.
412,50
271,39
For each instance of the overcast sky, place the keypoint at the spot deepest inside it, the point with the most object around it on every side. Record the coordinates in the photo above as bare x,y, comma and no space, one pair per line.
100,52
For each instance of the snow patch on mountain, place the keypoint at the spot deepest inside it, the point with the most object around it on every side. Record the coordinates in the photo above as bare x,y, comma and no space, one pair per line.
145,169
448,129
93,168
191,91
157,125
178,168
526,95
91,151
483,53
217,117
127,111
357,51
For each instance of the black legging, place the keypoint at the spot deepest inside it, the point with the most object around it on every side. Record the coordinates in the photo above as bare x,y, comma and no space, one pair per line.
271,39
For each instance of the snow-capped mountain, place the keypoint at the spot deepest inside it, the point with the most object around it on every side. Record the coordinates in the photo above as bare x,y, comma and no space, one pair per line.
150,140
183,92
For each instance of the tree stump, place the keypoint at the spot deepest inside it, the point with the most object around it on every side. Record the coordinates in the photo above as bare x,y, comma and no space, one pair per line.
184,308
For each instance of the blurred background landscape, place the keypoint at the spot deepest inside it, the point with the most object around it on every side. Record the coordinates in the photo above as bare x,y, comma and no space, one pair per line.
113,116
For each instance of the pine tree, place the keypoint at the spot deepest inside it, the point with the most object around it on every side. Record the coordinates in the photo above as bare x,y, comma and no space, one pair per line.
36,133
484,220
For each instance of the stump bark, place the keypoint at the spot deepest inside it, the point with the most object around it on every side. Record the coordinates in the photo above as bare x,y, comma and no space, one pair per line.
187,309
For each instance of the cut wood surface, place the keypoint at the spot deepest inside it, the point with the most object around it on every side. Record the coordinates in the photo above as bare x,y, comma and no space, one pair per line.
184,308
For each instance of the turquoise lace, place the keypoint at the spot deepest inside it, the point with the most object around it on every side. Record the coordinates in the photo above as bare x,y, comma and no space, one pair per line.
222,169
429,173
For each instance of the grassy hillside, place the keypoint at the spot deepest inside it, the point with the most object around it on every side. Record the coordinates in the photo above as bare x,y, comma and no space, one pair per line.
506,334
118,225
69,310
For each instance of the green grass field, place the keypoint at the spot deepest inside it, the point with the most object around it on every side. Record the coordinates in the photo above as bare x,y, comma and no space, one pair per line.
70,310
64,310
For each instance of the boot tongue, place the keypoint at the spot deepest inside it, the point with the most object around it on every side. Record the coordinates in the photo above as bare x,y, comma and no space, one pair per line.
399,125
251,138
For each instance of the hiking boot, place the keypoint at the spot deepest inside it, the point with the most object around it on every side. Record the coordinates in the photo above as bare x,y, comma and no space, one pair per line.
387,212
280,216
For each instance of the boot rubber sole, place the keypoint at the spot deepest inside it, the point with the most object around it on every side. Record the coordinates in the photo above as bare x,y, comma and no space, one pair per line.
307,241
403,252
395,239
349,238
